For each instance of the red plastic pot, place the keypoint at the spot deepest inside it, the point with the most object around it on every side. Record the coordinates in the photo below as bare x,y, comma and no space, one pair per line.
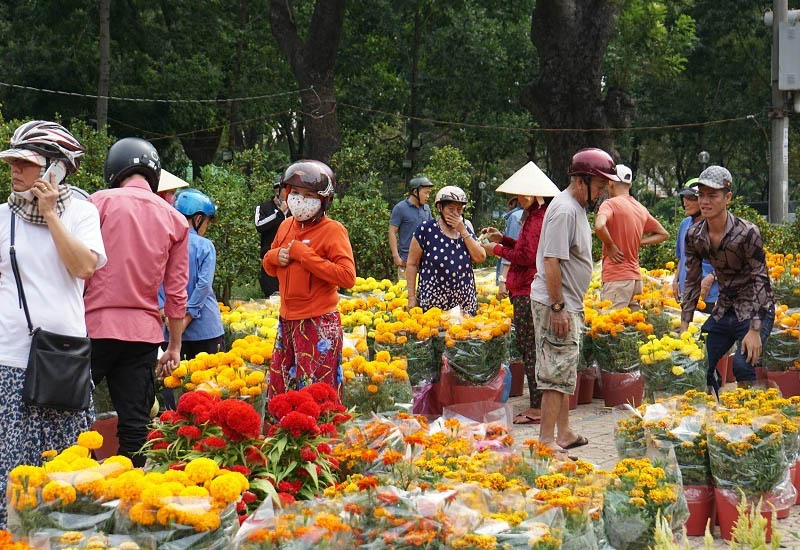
788,381
726,502
517,378
725,369
573,399
598,387
586,386
622,387
796,480
700,499
106,425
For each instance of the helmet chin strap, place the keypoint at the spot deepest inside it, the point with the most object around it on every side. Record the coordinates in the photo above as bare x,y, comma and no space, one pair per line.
587,180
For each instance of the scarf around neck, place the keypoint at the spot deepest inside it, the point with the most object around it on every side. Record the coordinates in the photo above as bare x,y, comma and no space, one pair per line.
28,209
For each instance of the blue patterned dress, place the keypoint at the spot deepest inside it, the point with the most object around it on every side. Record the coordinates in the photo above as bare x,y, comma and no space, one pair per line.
446,279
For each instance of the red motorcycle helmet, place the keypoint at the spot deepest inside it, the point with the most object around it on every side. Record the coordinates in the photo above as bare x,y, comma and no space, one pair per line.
592,161
314,175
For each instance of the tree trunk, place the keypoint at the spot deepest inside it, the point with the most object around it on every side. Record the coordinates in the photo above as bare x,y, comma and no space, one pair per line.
105,60
571,37
313,63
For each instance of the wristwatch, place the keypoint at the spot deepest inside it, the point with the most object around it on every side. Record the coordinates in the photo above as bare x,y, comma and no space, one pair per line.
558,306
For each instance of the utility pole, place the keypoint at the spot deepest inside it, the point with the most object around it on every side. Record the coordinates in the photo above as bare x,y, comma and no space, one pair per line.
779,138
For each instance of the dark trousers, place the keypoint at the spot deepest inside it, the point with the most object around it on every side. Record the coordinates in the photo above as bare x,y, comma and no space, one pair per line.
189,350
269,285
721,335
128,368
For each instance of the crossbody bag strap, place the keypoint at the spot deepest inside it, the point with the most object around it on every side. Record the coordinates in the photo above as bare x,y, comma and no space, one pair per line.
17,277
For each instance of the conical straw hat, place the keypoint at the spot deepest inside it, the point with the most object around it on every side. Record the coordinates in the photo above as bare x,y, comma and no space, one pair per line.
531,181
168,182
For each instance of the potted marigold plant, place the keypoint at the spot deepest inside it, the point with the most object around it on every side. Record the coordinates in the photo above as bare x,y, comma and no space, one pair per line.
672,366
615,338
375,386
781,355
640,490
476,348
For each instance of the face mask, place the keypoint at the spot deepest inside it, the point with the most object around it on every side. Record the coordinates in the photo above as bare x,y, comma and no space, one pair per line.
303,208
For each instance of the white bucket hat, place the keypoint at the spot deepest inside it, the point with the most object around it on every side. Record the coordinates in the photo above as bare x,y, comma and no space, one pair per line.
168,182
529,181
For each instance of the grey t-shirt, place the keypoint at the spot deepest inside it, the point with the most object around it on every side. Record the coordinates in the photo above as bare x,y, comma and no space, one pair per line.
565,235
406,218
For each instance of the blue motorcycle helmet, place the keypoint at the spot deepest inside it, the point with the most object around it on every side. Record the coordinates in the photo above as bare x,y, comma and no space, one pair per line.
191,202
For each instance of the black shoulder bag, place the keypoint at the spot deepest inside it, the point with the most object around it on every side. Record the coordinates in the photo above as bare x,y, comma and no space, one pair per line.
59,374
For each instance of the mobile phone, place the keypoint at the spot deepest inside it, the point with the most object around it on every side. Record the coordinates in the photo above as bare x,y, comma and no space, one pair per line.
55,169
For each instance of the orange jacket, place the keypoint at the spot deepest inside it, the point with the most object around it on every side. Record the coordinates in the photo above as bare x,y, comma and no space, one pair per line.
321,262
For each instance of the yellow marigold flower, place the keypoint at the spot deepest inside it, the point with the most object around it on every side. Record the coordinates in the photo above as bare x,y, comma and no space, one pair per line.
91,440
201,470
225,488
172,381
59,490
29,476
50,453
372,388
677,370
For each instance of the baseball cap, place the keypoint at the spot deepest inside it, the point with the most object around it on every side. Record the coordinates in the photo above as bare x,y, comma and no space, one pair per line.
624,173
715,177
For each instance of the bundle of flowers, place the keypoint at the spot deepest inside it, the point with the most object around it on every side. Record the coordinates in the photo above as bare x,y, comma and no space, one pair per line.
782,348
769,402
297,451
257,317
568,494
206,426
375,386
189,509
82,540
640,491
372,286
69,492
615,338
629,436
681,421
784,272
476,347
238,373
672,366
415,336
355,343
746,450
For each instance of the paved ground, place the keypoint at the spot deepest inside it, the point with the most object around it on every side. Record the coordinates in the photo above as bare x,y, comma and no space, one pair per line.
594,421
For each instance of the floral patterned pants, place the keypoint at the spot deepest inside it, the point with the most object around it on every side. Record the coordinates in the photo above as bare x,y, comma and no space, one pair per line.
526,343
306,351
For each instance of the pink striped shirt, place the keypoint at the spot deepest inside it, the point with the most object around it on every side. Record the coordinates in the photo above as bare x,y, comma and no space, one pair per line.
147,242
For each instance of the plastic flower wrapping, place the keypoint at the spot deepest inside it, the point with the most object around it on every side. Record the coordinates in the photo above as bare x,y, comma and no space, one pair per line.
640,491
476,347
672,366
69,493
381,385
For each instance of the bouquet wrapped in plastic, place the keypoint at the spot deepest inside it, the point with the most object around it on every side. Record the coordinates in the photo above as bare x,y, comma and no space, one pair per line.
355,343
376,386
617,351
641,490
476,347
784,272
629,435
70,492
412,335
672,366
681,421
782,348
746,450
190,509
86,540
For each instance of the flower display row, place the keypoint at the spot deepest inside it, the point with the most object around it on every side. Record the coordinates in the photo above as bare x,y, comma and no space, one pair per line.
672,366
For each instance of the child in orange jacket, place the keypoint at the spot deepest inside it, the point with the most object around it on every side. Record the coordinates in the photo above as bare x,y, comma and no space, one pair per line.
311,256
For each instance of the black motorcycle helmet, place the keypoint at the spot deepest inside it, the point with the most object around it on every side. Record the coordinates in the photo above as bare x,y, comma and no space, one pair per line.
132,155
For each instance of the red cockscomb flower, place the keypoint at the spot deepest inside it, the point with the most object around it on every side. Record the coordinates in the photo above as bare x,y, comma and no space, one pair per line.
286,487
310,408
298,423
195,401
328,429
171,417
155,434
339,418
238,419
324,448
189,432
178,466
210,444
279,406
160,445
254,456
242,469
286,499
308,454
333,462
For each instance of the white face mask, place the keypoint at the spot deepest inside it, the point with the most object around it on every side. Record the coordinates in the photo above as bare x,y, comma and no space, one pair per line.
303,208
